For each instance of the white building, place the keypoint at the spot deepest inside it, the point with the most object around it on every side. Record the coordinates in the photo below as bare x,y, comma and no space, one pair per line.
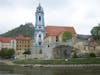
7,43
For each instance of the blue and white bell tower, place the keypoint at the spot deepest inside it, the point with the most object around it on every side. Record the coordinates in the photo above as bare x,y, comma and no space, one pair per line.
39,27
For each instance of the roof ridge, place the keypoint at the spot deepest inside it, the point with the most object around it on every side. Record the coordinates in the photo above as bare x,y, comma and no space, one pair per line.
56,30
59,26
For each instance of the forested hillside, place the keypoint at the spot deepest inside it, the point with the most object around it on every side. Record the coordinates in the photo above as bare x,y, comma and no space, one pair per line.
26,30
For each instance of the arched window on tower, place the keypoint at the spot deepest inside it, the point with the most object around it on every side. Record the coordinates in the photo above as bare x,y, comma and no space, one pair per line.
40,42
39,36
39,18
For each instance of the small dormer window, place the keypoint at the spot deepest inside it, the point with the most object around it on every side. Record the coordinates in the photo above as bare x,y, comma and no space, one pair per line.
39,18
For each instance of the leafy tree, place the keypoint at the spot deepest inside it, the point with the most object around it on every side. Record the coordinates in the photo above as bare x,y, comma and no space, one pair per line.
7,53
3,52
27,52
10,52
96,32
66,35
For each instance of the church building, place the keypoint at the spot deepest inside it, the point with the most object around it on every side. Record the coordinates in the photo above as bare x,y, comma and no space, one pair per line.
54,33
45,37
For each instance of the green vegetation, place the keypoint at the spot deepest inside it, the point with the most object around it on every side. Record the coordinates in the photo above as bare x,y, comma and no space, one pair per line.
66,35
2,63
85,60
96,32
27,52
39,61
7,53
92,55
27,30
59,61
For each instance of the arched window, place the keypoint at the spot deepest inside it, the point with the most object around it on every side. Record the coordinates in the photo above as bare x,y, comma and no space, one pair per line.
39,18
39,36
40,43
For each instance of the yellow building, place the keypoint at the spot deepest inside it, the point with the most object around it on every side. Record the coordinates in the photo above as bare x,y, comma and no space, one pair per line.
54,33
23,43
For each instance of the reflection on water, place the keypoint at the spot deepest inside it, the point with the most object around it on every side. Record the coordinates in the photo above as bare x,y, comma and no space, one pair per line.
15,70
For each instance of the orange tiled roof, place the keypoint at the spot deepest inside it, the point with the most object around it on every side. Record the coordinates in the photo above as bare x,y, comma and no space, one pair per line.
5,39
21,37
56,30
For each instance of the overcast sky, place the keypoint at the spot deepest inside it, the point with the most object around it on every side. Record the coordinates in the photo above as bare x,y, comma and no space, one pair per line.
81,14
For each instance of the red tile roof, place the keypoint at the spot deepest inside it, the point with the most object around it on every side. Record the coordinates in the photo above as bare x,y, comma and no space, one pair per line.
5,39
56,30
21,37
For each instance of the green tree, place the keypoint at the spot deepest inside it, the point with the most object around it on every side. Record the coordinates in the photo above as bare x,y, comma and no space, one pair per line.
96,32
7,53
27,52
10,52
66,35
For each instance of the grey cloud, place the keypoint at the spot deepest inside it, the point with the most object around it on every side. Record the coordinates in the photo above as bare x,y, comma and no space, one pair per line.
4,3
16,3
49,4
67,12
56,3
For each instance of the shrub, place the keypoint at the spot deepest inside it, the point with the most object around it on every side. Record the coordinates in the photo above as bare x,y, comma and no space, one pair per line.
92,55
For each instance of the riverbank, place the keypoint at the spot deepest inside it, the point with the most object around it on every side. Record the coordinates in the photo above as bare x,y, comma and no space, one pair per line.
59,61
6,62
56,65
74,62
64,66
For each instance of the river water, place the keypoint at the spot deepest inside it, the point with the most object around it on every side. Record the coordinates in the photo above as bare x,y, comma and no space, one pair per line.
17,70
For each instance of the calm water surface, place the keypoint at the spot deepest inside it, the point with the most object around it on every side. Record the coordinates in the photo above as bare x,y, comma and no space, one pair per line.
15,70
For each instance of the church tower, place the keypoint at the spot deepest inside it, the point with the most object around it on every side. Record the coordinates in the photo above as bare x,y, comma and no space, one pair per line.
39,27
